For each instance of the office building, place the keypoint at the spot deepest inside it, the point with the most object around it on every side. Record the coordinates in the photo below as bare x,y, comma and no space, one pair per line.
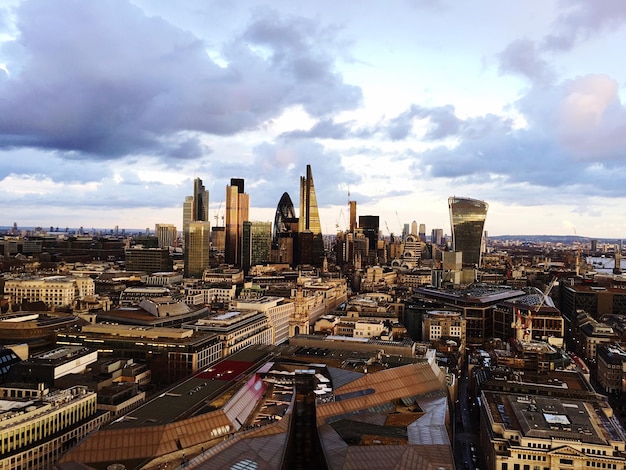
311,248
537,432
422,232
436,236
150,260
284,211
237,210
196,220
352,206
166,235
197,247
57,291
256,244
38,426
467,221
369,224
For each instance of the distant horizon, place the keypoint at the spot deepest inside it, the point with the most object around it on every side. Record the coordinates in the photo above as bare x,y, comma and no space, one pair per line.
131,230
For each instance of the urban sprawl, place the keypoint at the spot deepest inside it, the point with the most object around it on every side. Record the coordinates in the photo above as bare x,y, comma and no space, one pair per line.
237,344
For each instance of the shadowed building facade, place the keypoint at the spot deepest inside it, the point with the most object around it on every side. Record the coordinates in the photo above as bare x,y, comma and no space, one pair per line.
467,221
237,210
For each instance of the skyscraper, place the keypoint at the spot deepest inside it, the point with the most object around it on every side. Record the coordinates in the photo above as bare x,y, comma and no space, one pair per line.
311,245
370,226
309,214
284,210
237,210
256,244
467,220
352,205
196,209
197,244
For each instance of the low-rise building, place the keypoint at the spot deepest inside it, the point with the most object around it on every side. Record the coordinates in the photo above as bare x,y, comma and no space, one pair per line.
39,426
236,330
57,291
611,367
521,432
170,353
278,311
49,366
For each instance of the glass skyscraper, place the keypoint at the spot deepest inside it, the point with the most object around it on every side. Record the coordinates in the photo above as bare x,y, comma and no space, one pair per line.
467,221
196,213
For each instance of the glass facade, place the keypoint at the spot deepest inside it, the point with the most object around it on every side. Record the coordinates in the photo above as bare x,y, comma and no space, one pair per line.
467,221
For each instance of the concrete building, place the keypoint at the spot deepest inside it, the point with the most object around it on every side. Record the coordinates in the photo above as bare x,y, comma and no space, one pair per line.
438,324
278,311
38,426
170,353
57,291
166,234
611,368
236,330
477,303
49,366
149,260
521,432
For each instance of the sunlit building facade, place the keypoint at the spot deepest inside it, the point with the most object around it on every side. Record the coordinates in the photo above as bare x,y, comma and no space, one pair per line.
237,210
467,221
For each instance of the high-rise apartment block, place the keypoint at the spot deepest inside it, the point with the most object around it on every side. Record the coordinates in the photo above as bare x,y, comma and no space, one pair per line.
467,220
237,210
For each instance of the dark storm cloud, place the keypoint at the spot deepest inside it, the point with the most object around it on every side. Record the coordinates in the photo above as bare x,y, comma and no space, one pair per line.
103,80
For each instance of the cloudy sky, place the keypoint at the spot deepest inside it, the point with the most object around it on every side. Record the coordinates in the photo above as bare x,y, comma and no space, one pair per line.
108,110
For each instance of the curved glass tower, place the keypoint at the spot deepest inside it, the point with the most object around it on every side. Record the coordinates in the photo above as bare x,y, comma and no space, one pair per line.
467,221
284,210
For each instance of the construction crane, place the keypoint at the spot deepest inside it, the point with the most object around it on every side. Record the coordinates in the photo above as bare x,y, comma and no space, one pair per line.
217,213
523,324
399,225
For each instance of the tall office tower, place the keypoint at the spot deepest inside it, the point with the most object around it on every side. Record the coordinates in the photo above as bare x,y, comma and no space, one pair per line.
256,244
197,245
309,214
422,232
166,235
311,247
200,201
436,236
414,228
187,213
196,209
237,209
352,205
370,226
467,221
284,211
405,231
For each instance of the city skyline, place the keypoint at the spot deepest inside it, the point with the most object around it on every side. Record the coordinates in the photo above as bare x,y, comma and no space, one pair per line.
518,105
